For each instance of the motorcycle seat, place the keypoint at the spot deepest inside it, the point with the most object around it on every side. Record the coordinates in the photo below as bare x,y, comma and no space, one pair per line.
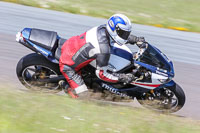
61,41
44,38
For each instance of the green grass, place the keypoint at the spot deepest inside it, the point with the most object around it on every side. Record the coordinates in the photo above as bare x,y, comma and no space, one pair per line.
175,14
25,112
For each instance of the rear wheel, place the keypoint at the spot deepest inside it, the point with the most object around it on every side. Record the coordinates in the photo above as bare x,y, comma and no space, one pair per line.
34,69
169,99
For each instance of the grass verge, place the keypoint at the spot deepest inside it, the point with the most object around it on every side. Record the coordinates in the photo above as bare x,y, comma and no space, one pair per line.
174,14
23,112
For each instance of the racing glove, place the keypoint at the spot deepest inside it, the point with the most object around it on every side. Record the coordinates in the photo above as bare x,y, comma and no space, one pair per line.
140,41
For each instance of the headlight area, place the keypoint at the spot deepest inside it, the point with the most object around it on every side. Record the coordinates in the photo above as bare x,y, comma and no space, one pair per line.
164,80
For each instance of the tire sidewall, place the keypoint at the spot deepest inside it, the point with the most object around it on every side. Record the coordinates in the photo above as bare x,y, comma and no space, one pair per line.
179,93
34,59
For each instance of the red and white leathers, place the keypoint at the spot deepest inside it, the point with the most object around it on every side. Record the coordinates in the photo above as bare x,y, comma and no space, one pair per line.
80,50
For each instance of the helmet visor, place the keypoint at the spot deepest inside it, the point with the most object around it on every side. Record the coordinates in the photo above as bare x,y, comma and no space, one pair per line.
122,33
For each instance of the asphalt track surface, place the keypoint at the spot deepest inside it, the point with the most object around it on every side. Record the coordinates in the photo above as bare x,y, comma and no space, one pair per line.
183,48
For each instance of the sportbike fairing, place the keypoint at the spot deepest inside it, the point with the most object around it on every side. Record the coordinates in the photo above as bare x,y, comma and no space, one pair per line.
160,66
152,59
121,56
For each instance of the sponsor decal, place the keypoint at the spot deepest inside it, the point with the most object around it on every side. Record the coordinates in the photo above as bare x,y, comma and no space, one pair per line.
160,73
113,90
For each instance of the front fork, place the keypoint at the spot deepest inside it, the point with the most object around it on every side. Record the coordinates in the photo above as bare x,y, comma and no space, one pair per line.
156,92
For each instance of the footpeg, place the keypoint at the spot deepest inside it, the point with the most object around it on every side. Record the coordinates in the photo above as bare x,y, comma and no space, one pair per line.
63,84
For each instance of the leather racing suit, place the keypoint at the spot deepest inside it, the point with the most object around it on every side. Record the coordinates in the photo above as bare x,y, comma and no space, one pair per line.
79,51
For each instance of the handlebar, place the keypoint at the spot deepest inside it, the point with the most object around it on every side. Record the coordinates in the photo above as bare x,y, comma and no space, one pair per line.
142,47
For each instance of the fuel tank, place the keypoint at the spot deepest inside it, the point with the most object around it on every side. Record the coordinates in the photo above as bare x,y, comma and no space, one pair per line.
121,56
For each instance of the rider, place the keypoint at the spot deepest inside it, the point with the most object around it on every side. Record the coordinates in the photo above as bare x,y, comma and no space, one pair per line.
80,50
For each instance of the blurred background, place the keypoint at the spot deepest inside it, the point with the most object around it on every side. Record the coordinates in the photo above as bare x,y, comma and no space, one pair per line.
175,14
171,25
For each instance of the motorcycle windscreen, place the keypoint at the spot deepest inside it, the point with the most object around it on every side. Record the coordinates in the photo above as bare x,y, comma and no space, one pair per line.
155,57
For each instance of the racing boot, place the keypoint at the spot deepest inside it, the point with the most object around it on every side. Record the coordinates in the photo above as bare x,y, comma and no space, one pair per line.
80,92
65,87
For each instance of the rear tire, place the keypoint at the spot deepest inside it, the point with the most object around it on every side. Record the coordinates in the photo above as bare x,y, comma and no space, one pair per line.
36,60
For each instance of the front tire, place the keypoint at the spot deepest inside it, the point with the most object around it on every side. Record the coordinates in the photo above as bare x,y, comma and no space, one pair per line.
167,100
34,67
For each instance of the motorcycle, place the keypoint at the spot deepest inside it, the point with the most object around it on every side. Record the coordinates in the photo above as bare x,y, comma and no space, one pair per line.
153,88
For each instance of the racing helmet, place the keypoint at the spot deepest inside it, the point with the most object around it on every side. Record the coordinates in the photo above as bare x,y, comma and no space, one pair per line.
119,28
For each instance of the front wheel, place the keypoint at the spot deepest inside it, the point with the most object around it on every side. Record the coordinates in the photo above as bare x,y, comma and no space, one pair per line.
169,99
34,70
